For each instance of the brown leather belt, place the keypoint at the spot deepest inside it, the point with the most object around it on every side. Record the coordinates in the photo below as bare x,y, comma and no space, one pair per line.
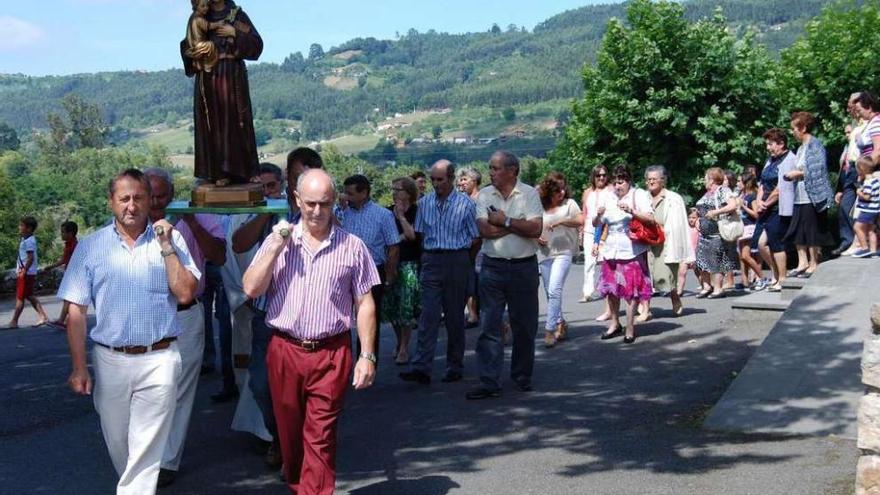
142,349
310,345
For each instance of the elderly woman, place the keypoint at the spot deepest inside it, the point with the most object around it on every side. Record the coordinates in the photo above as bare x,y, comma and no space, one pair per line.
400,307
812,197
598,183
469,180
670,212
715,256
559,242
625,270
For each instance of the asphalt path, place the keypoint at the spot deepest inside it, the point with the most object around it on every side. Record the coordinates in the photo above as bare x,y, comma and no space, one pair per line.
605,418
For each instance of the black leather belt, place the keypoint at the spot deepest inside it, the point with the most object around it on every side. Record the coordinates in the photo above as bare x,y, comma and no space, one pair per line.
444,251
184,307
513,261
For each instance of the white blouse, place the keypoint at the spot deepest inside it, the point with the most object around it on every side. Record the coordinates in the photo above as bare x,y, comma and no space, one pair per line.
618,245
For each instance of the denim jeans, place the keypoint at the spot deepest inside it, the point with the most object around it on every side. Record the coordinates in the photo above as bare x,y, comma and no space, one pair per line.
554,272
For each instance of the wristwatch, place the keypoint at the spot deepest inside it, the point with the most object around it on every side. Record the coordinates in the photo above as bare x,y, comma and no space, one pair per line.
369,356
507,222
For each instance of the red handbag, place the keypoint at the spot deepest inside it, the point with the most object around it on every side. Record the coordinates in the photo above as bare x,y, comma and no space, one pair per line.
646,233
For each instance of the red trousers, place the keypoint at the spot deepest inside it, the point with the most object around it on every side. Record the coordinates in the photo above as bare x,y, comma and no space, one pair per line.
308,388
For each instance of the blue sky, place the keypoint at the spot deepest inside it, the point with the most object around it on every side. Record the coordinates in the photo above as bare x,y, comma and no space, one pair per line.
73,36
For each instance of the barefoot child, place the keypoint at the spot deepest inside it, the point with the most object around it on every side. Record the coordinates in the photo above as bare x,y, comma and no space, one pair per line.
26,270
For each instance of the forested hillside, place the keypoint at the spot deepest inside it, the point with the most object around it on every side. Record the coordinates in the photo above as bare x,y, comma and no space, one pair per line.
330,91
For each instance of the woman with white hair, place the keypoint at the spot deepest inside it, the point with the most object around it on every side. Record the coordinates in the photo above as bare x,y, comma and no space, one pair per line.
671,213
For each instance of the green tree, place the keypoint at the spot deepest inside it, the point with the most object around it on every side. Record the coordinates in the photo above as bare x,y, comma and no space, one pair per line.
436,131
665,90
316,51
509,114
834,58
8,138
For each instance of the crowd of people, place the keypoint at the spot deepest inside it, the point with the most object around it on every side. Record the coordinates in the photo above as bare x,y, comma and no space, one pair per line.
287,290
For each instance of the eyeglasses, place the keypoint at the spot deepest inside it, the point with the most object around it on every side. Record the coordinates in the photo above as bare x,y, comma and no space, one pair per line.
653,179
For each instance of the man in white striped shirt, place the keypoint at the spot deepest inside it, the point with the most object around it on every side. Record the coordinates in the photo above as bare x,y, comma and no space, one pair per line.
316,276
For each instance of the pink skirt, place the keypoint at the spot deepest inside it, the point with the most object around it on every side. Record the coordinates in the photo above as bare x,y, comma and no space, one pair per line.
627,279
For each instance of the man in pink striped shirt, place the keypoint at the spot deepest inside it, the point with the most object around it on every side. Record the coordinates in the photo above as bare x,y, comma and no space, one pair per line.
316,277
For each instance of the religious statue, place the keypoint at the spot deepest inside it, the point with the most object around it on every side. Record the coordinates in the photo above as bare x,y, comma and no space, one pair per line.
219,38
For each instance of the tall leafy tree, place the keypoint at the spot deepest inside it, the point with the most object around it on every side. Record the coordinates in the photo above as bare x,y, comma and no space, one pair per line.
836,56
664,90
8,138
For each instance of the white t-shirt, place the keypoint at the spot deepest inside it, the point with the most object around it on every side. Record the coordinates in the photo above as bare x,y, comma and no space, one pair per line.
618,245
27,245
592,205
562,240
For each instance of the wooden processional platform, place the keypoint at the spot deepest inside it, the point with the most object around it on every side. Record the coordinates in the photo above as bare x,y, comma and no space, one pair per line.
276,206
228,200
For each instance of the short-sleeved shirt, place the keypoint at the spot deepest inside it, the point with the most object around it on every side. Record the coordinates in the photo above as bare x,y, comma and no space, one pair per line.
449,224
865,139
618,245
871,187
129,287
69,246
562,240
311,295
747,200
27,245
524,203
712,200
409,250
211,223
375,226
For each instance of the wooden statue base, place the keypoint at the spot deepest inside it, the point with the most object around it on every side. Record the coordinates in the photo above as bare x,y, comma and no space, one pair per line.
210,195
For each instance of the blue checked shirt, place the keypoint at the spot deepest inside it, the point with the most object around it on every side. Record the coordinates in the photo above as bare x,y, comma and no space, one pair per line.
128,287
450,224
375,226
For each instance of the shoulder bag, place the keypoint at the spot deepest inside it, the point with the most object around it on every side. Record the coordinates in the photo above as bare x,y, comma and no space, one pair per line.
646,233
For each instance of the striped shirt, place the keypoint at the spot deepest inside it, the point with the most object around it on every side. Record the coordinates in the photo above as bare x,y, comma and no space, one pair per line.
871,187
375,226
311,295
865,140
211,223
450,224
129,287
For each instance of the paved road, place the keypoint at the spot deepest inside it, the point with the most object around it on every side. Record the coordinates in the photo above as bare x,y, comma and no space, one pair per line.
604,419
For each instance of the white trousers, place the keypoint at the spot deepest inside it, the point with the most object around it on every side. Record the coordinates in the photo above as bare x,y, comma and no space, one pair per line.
191,343
590,263
134,396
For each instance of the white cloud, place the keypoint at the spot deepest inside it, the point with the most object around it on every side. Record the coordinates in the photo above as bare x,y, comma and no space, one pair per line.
18,33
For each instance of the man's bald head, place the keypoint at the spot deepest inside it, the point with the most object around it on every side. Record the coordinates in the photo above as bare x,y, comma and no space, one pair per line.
315,196
443,177
317,179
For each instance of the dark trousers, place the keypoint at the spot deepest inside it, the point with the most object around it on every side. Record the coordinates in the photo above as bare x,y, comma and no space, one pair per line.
845,219
444,286
215,294
258,377
514,285
308,389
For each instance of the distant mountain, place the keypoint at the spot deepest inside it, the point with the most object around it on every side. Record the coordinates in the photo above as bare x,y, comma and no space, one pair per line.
329,92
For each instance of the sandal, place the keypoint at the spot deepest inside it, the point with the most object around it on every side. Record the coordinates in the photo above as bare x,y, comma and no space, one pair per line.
795,272
703,294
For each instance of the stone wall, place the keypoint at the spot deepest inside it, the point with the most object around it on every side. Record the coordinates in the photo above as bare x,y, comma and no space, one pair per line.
868,470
